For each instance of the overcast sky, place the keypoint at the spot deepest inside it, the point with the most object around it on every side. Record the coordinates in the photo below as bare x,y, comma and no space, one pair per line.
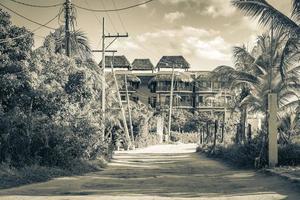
203,31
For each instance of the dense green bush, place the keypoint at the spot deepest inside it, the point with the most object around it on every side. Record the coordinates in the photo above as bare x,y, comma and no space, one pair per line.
150,139
289,154
245,155
50,112
185,137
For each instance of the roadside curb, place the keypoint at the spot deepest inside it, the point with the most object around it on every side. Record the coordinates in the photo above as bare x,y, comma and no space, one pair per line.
284,175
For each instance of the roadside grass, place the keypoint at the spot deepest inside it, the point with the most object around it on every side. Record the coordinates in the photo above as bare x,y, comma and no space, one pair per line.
244,155
12,177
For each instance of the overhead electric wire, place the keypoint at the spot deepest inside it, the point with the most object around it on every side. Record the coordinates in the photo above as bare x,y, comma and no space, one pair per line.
37,6
113,10
124,28
108,16
26,17
32,31
122,24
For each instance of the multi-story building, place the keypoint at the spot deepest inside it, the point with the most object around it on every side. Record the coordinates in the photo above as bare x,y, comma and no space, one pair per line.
193,90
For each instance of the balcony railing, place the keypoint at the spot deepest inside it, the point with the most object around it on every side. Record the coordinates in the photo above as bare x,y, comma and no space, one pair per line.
176,88
211,105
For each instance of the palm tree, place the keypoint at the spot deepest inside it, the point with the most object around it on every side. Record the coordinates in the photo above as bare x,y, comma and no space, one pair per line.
260,71
270,16
79,42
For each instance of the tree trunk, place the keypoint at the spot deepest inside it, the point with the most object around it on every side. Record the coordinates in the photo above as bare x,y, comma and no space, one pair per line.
207,132
243,121
215,133
222,133
249,133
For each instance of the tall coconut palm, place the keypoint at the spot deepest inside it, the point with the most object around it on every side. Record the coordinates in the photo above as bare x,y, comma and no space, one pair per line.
260,72
268,15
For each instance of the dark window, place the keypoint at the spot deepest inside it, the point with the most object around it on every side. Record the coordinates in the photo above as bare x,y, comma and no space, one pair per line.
123,97
200,98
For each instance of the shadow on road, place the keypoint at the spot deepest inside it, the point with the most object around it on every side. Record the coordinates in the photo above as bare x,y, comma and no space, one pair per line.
165,173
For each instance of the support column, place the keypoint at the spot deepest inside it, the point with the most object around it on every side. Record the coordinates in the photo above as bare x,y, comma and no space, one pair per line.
272,130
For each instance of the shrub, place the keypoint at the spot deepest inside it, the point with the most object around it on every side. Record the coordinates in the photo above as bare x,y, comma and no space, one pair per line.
185,137
150,139
289,154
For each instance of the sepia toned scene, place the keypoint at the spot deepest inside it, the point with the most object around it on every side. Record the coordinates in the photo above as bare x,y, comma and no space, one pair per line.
150,99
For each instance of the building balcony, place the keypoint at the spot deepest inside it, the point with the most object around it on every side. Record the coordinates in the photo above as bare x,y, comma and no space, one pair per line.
211,105
176,89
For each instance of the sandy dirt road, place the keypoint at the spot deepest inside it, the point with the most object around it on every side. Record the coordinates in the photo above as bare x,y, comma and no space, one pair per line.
160,172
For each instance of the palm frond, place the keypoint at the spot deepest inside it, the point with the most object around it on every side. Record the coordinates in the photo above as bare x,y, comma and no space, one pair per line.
267,14
289,54
296,10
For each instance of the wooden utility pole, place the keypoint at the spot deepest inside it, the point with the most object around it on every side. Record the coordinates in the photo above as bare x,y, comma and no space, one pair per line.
127,137
103,82
171,104
67,27
103,51
129,109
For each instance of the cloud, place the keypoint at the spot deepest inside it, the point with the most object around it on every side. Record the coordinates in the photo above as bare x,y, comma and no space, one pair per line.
190,41
171,17
126,44
218,8
213,49
143,6
174,1
177,33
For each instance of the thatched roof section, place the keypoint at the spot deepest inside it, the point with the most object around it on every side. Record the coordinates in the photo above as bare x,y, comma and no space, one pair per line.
130,78
142,64
177,62
205,76
182,76
118,62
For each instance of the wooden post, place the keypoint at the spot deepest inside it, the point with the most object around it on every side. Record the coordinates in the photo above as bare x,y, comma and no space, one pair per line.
67,27
171,103
103,82
272,130
160,128
129,109
127,137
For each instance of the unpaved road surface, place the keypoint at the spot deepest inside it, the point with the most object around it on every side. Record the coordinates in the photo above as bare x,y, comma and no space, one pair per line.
160,172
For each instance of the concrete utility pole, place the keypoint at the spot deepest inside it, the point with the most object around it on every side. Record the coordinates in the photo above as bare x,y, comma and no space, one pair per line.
129,109
171,103
67,27
272,115
127,137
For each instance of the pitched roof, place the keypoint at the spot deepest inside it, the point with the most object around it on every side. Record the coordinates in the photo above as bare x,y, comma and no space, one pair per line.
170,61
142,64
118,62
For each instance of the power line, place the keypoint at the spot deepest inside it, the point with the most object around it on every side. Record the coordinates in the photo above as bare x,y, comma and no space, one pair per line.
26,17
34,30
113,10
37,6
108,15
122,24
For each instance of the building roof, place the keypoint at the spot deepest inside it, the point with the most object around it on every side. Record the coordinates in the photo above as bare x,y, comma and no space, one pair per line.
118,62
178,62
142,64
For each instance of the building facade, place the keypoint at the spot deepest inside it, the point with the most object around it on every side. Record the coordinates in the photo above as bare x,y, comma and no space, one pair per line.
193,90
